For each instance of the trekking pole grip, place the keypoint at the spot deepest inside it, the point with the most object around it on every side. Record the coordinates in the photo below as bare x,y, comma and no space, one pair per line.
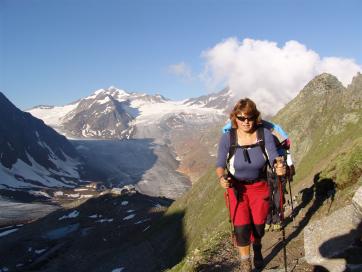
280,167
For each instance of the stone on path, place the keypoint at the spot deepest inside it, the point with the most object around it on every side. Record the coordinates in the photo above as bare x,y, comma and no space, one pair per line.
326,241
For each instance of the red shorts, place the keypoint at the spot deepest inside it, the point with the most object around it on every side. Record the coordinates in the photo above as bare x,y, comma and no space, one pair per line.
249,212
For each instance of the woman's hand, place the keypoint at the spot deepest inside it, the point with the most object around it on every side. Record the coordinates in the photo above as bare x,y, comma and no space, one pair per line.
279,166
225,182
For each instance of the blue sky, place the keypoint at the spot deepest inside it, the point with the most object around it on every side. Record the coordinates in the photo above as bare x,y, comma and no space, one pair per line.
55,52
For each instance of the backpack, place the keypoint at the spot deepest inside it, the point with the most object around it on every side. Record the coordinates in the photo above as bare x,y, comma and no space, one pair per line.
281,139
260,142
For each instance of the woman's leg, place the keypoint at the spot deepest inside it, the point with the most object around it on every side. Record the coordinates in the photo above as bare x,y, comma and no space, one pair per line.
258,195
244,250
245,262
240,215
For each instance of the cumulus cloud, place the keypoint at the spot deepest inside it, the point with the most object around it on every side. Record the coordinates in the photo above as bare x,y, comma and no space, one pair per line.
180,69
267,73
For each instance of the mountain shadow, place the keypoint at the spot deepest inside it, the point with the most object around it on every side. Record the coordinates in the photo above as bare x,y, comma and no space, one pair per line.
129,232
32,153
150,166
116,161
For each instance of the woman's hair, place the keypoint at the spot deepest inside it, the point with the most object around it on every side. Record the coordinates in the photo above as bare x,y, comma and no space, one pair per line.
246,106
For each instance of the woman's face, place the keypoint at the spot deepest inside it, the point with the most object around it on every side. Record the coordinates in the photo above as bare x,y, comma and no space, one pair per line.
245,122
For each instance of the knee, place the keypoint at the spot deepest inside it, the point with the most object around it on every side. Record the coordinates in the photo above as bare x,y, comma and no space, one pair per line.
242,235
259,231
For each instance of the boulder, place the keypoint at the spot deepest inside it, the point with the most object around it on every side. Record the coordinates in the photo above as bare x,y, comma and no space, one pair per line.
334,241
357,208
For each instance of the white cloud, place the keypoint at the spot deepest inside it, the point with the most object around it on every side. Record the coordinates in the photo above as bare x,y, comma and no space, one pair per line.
180,69
269,74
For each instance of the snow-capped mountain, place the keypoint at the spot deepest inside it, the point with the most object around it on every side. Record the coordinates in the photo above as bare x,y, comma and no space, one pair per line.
113,113
117,114
107,114
222,100
33,154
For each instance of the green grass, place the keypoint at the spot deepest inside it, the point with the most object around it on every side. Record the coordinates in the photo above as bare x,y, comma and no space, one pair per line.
205,221
346,168
205,210
326,149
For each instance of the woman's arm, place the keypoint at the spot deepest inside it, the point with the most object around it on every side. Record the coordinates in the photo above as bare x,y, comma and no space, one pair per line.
222,154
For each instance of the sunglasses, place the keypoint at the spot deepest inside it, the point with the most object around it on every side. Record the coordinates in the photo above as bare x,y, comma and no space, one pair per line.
243,118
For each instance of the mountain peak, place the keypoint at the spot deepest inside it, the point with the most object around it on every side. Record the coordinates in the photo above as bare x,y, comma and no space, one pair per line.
322,84
326,78
116,93
6,105
356,81
111,90
355,91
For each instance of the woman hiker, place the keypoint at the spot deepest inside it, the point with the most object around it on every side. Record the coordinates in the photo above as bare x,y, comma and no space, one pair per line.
246,181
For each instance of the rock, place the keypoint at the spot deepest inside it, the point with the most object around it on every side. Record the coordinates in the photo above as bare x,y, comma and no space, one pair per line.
330,241
127,189
321,231
118,191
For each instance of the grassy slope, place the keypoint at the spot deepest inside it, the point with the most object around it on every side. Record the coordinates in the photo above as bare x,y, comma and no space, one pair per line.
322,152
205,222
346,167
205,217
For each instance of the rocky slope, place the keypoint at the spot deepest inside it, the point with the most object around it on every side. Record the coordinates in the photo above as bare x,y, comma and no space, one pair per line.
33,154
323,120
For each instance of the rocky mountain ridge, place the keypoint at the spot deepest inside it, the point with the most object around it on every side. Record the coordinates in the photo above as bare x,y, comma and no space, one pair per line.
116,114
322,117
33,154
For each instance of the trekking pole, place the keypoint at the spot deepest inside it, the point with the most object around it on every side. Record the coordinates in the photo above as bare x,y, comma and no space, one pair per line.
282,220
330,205
231,223
291,201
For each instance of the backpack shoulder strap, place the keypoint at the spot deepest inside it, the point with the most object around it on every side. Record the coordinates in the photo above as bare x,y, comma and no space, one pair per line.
261,140
260,136
233,144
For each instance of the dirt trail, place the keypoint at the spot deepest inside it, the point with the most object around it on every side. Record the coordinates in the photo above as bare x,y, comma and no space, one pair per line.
225,257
